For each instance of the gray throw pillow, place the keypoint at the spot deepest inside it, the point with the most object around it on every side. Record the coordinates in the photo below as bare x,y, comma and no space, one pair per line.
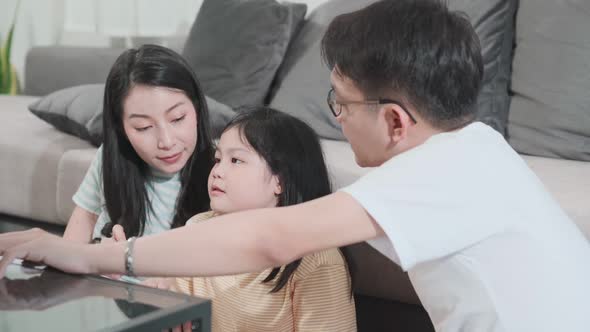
303,80
236,46
78,112
550,109
493,21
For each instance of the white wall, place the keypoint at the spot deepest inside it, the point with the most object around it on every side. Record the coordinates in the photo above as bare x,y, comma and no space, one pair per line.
86,23
38,23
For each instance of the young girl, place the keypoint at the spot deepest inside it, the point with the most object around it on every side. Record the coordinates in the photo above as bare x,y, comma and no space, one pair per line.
266,158
150,174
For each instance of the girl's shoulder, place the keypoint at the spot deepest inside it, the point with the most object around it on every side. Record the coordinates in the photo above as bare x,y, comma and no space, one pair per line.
326,259
200,217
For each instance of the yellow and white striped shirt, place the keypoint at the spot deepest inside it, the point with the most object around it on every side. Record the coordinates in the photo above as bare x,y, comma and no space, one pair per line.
316,298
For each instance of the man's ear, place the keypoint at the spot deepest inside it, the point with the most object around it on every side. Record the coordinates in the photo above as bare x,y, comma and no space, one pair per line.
397,122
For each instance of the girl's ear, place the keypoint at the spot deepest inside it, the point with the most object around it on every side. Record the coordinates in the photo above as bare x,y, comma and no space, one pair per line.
278,188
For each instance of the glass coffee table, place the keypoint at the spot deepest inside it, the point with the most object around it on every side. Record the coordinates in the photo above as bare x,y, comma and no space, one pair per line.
38,299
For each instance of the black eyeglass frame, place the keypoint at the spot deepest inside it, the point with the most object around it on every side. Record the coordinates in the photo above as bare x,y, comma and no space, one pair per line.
330,99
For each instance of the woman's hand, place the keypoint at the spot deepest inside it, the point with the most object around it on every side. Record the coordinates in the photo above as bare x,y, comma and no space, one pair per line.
118,236
39,246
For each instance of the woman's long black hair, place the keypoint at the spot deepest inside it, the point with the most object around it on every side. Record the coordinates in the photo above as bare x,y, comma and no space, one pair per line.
124,173
293,152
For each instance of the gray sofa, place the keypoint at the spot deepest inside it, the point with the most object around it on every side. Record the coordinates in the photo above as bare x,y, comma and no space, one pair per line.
41,167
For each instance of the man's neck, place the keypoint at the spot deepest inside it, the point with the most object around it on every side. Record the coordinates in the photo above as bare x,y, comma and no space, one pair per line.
417,136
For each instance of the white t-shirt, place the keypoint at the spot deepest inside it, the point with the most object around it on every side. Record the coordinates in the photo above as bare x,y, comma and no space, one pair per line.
162,191
486,247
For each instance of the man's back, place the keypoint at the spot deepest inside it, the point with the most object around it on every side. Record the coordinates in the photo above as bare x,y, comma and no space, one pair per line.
486,247
513,281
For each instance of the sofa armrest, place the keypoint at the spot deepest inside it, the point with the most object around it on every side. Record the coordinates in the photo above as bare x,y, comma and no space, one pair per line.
51,68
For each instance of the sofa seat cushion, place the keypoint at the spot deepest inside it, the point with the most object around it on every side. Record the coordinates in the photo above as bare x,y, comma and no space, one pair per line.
70,173
569,183
342,166
31,151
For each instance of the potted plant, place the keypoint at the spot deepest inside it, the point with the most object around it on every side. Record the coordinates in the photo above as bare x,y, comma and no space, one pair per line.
8,78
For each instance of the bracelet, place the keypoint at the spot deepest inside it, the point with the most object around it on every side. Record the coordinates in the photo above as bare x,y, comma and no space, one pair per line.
129,257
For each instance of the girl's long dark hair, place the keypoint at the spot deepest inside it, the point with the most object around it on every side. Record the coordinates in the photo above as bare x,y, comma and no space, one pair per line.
124,173
293,152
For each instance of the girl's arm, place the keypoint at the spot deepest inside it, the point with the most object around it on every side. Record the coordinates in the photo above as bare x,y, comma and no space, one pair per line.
80,226
235,243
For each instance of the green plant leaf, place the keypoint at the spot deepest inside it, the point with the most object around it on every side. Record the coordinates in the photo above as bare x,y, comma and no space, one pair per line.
8,79
5,61
3,66
3,71
14,84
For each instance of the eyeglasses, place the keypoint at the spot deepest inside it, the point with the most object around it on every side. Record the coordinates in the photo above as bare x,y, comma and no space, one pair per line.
336,106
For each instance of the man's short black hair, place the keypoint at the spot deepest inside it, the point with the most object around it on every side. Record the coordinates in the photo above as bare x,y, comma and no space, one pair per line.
418,50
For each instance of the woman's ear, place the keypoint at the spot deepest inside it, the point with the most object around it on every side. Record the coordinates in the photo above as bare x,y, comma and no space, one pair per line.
277,184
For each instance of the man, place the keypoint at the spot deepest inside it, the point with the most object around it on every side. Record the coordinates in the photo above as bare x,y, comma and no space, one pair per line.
486,247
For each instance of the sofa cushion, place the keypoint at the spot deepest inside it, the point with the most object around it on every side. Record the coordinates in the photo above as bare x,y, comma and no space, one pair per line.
52,68
78,111
303,80
569,183
31,152
493,21
550,109
341,163
236,46
71,170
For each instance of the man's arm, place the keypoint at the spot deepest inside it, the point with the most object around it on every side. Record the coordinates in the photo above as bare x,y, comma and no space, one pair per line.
252,240
236,243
